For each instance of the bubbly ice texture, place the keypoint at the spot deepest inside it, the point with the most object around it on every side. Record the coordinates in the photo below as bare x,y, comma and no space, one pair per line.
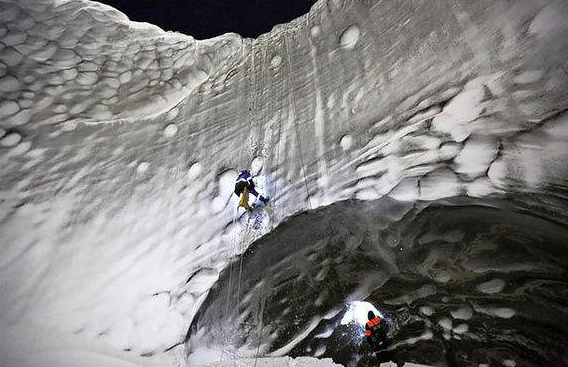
115,224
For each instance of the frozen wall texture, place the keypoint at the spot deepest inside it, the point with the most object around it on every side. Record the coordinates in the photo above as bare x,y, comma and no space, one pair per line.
120,142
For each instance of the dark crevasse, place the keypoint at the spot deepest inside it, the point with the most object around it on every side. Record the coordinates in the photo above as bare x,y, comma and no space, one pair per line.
460,281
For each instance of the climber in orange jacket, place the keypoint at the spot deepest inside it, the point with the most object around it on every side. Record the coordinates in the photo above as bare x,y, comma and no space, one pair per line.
375,330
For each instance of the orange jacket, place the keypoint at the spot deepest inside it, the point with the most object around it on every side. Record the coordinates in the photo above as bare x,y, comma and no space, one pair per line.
371,324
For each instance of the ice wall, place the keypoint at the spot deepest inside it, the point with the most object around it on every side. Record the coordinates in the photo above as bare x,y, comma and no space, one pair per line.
119,143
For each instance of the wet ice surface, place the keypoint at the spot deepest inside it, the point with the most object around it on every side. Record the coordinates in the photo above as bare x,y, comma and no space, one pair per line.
461,282
119,143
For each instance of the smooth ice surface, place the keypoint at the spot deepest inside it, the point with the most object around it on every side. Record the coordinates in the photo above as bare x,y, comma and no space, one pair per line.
119,142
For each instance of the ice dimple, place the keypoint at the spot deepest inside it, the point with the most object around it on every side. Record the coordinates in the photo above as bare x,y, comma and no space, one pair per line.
170,130
492,286
426,310
275,61
464,313
14,38
315,31
8,83
10,139
142,167
445,323
346,142
349,37
8,108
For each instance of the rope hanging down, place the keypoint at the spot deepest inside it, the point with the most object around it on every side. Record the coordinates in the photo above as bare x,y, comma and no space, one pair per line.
241,242
234,241
243,239
296,128
263,290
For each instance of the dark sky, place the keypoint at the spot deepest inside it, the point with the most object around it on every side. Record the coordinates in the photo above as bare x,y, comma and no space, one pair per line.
209,18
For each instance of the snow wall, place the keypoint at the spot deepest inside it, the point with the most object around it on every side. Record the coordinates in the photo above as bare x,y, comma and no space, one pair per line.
120,142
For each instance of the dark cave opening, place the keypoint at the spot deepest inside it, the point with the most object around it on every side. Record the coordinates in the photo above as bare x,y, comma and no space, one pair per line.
460,281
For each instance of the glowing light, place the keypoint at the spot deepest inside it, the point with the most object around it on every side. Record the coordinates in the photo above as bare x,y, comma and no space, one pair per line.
358,311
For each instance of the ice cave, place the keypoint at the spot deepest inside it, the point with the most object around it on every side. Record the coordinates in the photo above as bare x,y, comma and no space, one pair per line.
415,153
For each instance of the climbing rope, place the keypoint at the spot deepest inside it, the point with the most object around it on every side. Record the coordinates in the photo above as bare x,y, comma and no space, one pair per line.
261,328
252,109
244,237
230,277
274,196
296,128
303,165
277,167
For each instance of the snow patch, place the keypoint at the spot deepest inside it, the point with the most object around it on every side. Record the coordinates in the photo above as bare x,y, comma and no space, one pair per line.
142,167
349,37
172,114
501,312
226,184
20,149
406,190
461,329
315,31
427,335
463,313
462,109
194,170
10,140
256,165
170,130
491,287
480,187
346,142
439,184
357,312
9,84
275,61
8,108
325,334
426,310
476,156
445,323
320,351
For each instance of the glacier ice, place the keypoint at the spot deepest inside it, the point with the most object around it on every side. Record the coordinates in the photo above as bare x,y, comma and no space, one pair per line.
119,140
